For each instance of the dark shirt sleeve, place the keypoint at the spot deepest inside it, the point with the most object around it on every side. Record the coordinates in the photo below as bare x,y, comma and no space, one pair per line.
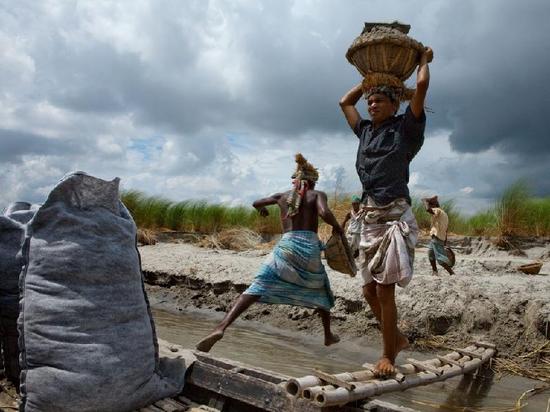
360,126
414,130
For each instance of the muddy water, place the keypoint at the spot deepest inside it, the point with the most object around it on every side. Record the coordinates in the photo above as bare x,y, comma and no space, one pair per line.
296,354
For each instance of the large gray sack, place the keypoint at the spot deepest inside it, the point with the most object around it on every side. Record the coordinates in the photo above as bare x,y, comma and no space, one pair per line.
22,212
12,235
87,337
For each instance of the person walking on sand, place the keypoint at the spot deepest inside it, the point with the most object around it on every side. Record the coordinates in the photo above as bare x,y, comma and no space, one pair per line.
438,235
293,274
387,144
353,232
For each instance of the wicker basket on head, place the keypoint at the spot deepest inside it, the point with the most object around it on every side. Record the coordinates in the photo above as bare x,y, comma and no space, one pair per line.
339,256
385,55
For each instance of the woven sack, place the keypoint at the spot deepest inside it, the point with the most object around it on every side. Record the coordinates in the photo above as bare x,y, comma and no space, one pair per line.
450,255
21,212
87,337
12,235
338,255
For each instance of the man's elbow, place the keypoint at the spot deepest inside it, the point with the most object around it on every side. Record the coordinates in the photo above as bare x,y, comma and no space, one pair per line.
422,85
344,103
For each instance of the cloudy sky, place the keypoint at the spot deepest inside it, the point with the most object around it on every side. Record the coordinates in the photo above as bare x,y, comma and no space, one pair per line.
211,99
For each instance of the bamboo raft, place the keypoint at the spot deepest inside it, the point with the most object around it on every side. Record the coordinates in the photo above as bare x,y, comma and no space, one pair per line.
214,384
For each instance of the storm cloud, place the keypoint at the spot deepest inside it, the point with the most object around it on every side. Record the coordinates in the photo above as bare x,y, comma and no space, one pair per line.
211,99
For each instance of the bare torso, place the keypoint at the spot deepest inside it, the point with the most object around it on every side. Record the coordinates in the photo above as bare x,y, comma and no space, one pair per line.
308,216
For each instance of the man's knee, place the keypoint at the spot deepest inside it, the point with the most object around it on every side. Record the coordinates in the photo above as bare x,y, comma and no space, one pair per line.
385,293
369,291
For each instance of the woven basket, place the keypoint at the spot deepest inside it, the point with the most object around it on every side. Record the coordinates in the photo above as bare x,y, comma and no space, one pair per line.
450,255
531,268
385,49
339,256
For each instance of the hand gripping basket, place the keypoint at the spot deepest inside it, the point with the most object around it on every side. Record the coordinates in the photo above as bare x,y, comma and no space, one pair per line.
339,256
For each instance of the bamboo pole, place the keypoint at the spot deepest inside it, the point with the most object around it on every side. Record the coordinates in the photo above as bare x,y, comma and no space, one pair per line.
326,377
486,345
424,367
311,392
340,396
469,353
447,361
296,386
399,375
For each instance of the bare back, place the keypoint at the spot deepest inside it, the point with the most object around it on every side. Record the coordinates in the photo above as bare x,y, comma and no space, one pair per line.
308,215
314,205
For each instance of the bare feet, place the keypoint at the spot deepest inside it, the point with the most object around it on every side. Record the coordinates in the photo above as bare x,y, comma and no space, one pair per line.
332,339
384,367
206,344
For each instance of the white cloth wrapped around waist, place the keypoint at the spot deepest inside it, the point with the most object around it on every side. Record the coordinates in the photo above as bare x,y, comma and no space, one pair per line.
388,238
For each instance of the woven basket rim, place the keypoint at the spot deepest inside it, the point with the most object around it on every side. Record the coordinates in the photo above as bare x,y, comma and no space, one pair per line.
345,263
363,41
531,268
531,265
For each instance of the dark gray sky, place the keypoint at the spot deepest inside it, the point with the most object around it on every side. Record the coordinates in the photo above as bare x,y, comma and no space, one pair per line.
211,99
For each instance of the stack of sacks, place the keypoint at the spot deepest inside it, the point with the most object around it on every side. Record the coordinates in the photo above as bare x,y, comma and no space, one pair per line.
12,236
87,338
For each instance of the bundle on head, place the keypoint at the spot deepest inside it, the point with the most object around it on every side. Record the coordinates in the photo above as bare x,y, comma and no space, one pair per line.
385,55
304,175
304,169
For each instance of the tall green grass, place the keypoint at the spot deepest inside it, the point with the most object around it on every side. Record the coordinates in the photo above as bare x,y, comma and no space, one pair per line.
515,213
155,212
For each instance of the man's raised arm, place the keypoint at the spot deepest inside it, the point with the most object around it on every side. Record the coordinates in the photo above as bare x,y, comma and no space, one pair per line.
260,204
326,214
422,83
347,104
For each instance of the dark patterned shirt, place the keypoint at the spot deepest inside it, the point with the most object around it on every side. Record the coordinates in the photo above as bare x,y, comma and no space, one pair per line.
384,155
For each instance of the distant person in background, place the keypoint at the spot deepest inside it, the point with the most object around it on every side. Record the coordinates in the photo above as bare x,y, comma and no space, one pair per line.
353,232
438,234
293,274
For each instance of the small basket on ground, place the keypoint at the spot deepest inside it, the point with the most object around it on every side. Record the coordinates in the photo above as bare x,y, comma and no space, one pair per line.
339,256
531,268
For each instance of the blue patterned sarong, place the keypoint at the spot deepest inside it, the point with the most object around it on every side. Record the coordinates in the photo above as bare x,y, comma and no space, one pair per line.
293,274
437,251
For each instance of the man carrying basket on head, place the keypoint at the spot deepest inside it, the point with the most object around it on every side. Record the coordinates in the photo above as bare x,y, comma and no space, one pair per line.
387,144
293,274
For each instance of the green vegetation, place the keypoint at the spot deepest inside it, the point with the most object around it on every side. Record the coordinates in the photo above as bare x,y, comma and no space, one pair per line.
153,212
516,213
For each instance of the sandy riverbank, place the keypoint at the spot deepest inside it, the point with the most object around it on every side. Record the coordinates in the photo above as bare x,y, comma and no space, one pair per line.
488,299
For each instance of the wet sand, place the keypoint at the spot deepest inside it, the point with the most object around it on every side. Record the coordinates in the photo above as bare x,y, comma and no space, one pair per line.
296,354
488,299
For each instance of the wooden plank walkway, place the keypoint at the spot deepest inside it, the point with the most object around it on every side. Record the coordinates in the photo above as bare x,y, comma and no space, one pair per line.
328,391
222,385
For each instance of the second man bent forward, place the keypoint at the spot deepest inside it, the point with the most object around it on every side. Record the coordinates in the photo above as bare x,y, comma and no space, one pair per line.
293,274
